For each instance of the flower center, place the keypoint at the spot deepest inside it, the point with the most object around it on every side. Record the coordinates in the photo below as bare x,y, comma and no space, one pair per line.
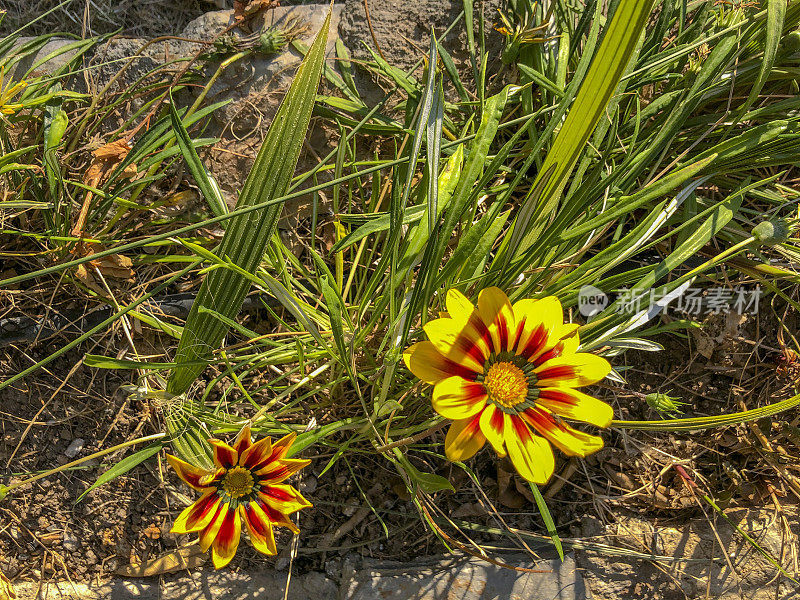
238,482
506,384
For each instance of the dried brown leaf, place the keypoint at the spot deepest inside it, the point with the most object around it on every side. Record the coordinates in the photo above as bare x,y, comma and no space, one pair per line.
508,495
176,560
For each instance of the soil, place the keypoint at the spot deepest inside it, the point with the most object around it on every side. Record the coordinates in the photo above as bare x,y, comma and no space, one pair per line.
45,534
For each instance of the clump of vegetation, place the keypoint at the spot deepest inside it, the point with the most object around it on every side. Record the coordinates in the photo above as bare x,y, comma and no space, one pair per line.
632,156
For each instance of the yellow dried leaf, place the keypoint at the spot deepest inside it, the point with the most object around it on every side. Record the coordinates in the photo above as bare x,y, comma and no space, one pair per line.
113,151
106,157
169,562
116,266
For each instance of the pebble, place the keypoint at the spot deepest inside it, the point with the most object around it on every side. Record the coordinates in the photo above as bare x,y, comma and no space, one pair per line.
308,485
70,541
74,448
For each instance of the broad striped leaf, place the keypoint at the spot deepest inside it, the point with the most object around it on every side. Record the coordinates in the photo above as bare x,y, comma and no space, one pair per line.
247,235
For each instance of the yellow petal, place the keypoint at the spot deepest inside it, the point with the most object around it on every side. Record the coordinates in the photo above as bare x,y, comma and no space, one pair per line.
281,447
257,453
458,342
458,306
464,439
496,312
278,470
536,323
259,527
427,363
224,456
208,534
530,454
574,370
562,341
573,404
493,425
227,539
243,441
283,498
456,398
570,441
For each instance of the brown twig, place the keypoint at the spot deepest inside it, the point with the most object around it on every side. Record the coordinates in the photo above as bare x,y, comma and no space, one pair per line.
372,31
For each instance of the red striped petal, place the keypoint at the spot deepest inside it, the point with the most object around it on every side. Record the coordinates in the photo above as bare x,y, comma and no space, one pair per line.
209,533
277,471
227,539
557,372
464,439
493,426
276,517
496,312
530,454
243,440
283,498
427,363
573,404
258,526
256,454
224,455
570,441
198,515
195,477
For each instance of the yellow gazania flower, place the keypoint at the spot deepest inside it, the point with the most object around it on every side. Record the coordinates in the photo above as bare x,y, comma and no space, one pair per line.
8,92
245,487
508,374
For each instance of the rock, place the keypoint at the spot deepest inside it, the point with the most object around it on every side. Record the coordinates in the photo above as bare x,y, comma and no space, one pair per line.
70,541
74,448
705,573
221,585
61,51
308,485
467,578
399,25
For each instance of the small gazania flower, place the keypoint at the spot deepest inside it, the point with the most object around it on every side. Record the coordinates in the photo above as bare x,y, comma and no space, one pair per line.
245,487
8,92
508,374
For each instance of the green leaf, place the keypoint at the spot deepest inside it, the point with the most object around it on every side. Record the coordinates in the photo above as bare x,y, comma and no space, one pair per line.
123,466
618,46
336,312
247,235
549,523
698,423
208,187
427,482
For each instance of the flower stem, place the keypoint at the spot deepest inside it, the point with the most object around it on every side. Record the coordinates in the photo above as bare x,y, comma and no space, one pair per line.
414,438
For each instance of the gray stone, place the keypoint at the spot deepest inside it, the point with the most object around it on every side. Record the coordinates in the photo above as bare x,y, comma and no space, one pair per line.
468,578
58,52
70,541
74,448
402,30
217,585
